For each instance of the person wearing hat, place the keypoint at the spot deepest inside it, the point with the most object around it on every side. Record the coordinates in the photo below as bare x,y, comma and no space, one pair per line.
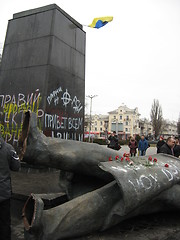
160,143
9,160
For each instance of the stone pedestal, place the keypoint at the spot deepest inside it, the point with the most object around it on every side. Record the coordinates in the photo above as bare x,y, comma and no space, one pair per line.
43,70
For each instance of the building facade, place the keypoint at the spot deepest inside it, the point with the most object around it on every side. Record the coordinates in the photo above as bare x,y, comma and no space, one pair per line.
125,122
169,129
146,128
99,126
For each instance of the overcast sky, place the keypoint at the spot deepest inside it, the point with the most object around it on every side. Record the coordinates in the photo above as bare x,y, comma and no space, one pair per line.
132,60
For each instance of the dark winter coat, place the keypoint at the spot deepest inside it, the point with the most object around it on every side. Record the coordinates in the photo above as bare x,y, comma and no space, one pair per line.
176,150
8,161
113,142
165,149
159,145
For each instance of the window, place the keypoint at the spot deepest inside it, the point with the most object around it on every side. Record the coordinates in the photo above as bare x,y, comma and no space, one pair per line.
126,123
114,117
101,123
95,123
101,129
120,117
126,129
95,128
127,117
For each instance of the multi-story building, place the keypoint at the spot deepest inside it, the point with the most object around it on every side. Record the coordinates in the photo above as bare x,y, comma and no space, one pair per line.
98,127
124,121
169,129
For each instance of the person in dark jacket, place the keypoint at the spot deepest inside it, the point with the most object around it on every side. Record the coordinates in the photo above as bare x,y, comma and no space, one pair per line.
133,146
142,146
160,143
9,160
168,146
177,148
113,141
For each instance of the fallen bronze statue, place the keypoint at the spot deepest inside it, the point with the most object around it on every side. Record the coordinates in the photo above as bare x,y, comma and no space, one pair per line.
118,187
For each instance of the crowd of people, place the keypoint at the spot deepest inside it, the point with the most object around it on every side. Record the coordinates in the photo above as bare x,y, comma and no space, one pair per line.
170,146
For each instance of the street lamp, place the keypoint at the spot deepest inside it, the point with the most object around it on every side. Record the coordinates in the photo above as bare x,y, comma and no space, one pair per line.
90,122
106,129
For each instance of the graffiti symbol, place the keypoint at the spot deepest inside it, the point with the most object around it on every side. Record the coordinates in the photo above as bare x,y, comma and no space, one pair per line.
66,98
76,104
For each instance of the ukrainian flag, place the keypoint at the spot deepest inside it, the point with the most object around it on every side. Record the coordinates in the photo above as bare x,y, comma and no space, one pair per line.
100,22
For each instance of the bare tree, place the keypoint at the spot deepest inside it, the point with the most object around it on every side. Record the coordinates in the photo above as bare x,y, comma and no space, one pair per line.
156,117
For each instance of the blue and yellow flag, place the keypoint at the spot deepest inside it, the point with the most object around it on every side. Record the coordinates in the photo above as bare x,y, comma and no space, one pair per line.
100,22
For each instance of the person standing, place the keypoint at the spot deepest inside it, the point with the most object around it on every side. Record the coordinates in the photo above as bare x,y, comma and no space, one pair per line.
142,146
160,143
176,148
113,141
9,160
133,146
168,146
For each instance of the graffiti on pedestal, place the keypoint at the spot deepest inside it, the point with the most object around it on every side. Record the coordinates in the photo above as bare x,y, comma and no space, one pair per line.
12,108
62,124
65,98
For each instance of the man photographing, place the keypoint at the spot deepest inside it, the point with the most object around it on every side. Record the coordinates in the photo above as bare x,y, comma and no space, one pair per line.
9,160
113,141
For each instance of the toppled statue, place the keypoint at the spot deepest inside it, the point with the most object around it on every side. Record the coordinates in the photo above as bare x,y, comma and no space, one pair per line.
128,186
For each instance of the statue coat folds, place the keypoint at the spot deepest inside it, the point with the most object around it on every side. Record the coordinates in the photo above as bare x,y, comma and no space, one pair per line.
132,186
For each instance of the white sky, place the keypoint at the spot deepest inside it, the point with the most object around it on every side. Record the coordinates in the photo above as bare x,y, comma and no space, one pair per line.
132,60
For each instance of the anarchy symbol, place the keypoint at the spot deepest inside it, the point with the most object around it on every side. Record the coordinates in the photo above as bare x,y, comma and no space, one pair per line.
66,98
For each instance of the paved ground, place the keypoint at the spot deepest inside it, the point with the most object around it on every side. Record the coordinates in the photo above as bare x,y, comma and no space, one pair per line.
164,226
161,226
153,227
150,150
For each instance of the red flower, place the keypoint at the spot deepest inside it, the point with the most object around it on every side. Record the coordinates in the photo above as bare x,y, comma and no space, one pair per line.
150,158
117,157
166,165
155,160
126,155
127,159
122,159
110,158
